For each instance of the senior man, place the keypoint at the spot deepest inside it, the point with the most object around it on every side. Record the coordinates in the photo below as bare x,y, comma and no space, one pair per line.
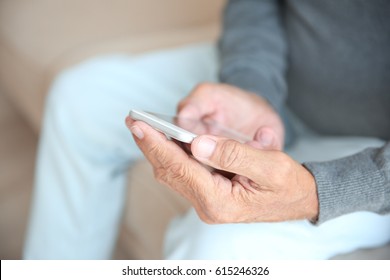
328,63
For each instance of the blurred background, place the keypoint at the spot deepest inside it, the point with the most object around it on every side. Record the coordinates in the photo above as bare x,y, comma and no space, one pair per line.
17,154
39,39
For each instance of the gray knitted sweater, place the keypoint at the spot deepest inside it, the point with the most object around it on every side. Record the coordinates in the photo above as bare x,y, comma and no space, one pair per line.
329,61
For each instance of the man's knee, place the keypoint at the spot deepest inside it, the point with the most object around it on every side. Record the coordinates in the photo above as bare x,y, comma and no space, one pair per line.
70,91
73,108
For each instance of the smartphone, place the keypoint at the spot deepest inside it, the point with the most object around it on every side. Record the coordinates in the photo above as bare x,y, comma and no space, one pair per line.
164,124
185,130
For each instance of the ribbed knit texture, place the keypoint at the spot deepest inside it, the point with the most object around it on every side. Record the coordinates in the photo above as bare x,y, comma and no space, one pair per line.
356,183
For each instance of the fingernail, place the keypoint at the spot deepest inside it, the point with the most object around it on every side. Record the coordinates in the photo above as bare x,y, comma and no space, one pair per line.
205,148
266,139
128,122
137,132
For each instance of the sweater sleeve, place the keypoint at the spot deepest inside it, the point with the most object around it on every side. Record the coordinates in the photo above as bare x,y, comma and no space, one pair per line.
253,49
360,182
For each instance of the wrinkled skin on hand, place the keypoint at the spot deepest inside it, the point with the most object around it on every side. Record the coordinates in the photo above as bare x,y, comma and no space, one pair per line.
267,186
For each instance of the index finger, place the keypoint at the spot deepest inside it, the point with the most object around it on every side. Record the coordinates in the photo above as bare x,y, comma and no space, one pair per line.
172,166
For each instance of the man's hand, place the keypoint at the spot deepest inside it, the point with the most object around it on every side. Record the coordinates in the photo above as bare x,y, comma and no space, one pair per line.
237,109
269,185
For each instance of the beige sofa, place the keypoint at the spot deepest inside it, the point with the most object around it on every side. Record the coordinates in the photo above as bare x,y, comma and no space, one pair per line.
40,38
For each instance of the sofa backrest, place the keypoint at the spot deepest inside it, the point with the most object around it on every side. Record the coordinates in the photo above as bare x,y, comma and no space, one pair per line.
39,37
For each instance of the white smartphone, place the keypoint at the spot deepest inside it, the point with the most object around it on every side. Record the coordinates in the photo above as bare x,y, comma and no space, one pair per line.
185,130
164,125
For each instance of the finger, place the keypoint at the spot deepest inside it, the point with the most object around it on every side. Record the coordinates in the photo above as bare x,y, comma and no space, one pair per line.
172,166
234,157
140,131
268,139
129,121
198,103
255,144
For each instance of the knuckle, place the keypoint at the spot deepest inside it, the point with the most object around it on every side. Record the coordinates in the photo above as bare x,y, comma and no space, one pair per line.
215,219
204,87
219,218
173,174
159,175
177,171
212,214
205,218
158,153
232,156
210,218
284,169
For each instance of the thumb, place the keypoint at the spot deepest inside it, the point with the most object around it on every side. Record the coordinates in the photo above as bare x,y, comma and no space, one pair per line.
223,154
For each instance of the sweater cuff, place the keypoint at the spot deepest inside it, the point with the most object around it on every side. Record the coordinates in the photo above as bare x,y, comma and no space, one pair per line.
345,186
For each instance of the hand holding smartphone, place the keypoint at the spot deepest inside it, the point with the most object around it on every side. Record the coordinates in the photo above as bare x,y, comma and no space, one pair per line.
184,131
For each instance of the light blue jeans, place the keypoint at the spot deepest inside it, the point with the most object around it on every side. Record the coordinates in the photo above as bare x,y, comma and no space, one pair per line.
85,150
